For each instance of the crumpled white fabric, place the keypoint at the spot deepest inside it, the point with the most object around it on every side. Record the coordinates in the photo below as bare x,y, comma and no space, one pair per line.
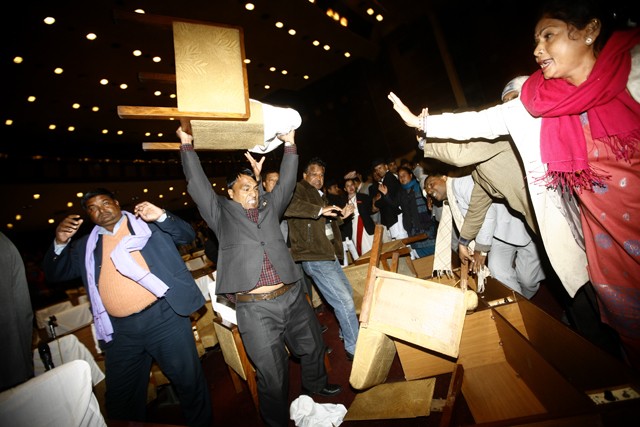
277,121
307,413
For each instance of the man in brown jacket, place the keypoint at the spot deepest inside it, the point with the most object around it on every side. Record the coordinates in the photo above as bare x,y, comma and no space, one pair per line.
315,238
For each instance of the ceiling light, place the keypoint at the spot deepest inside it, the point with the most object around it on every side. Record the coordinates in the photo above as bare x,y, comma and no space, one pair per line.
58,70
79,195
31,98
157,93
279,24
157,59
69,204
17,60
344,22
272,68
120,132
140,11
347,54
36,196
247,61
292,32
160,135
52,126
50,220
146,190
105,131
170,188
91,36
316,43
95,109
147,134
8,122
71,128
9,226
104,82
173,95
75,105
137,52
249,6
379,18
160,196
326,47
306,77
123,86
284,71
49,20
18,217
370,11
267,87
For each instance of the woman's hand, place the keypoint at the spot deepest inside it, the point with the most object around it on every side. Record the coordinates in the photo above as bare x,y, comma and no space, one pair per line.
409,118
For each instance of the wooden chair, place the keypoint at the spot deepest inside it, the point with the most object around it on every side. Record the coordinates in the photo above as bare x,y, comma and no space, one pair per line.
238,363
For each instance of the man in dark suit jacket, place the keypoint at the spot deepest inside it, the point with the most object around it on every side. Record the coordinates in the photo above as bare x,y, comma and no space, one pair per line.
389,203
360,227
256,270
141,296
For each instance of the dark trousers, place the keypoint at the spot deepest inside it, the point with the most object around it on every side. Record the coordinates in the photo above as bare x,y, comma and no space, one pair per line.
265,327
159,334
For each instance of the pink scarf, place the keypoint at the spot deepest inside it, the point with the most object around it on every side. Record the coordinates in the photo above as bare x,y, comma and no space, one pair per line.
613,115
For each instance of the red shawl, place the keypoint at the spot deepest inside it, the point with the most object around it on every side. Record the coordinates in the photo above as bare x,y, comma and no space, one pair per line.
613,115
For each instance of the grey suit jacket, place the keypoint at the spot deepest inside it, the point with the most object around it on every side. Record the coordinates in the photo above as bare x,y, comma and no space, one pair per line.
241,242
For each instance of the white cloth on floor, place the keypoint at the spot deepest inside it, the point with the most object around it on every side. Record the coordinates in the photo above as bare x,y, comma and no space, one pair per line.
62,396
307,413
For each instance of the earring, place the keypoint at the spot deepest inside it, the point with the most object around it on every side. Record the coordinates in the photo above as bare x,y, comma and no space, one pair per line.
589,40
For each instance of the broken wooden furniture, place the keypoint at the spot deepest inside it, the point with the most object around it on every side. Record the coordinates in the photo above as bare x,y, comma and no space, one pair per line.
513,363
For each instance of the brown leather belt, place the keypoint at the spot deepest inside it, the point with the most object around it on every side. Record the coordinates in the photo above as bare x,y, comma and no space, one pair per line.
263,297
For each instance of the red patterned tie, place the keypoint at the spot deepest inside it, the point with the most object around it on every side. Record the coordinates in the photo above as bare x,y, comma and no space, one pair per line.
359,235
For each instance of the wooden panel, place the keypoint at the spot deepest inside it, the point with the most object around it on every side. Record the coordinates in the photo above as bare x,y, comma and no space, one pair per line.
425,313
170,113
210,72
552,389
495,392
480,344
160,146
230,134
418,362
559,345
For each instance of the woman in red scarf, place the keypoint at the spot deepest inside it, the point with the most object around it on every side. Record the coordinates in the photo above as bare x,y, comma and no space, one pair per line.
589,141
582,112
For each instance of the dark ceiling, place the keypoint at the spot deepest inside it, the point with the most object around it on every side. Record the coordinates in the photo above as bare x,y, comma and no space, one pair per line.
346,116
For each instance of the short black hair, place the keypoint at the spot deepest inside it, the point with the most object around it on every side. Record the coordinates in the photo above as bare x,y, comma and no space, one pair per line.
377,161
315,161
93,193
235,174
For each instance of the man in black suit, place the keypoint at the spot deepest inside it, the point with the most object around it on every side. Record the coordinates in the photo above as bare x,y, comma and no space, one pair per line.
360,227
388,200
256,270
